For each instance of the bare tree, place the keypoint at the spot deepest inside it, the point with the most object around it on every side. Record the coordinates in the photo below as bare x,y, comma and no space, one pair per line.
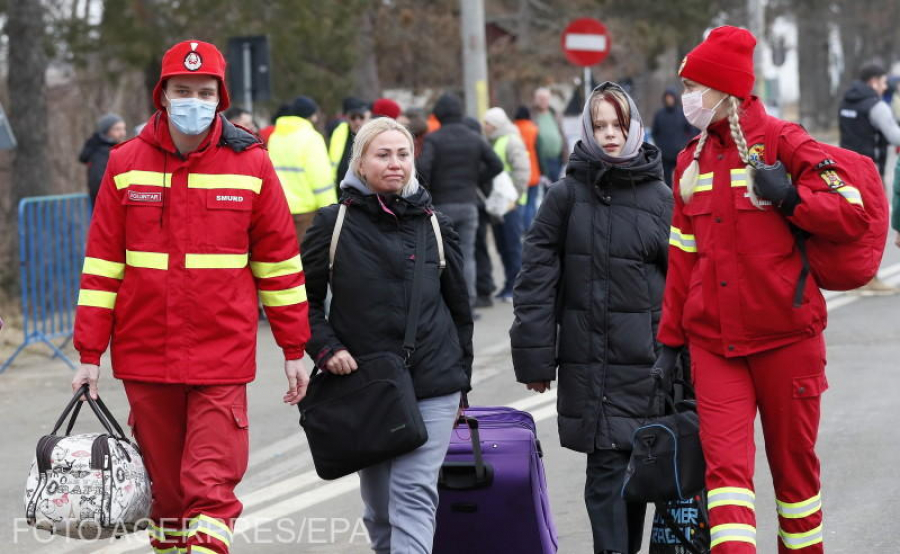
25,29
817,101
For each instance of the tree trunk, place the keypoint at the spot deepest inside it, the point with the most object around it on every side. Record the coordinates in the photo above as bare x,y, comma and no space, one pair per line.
28,116
817,103
367,85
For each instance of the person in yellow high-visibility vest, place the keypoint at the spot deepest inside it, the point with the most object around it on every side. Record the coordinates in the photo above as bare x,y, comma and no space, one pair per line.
507,143
301,161
340,144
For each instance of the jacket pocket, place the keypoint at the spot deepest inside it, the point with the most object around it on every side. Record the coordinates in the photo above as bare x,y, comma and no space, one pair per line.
144,211
760,230
806,392
227,219
239,412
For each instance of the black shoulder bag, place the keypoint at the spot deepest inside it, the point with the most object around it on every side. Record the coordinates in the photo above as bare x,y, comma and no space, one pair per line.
371,415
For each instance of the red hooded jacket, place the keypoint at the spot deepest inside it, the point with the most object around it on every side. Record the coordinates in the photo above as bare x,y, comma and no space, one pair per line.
177,248
733,268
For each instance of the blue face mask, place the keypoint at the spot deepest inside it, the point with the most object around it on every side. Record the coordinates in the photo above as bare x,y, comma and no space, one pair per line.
191,116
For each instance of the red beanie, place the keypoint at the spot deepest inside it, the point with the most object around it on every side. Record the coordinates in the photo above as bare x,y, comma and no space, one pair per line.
724,61
193,57
386,107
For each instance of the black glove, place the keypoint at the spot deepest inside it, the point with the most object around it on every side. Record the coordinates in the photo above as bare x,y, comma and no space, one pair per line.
771,182
665,364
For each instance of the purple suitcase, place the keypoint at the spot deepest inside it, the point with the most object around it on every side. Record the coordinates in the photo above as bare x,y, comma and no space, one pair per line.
493,492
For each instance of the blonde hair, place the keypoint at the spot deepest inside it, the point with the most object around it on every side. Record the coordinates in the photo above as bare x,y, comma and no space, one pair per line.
367,134
692,173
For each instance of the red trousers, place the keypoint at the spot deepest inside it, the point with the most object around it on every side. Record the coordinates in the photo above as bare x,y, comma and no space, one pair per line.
195,444
785,385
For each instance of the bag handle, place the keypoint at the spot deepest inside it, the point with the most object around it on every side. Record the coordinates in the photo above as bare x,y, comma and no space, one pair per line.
669,400
97,406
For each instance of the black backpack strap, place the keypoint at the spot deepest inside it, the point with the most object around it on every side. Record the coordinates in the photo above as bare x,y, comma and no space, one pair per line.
800,237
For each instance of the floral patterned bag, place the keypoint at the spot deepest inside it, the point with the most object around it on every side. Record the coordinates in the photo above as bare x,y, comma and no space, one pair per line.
88,486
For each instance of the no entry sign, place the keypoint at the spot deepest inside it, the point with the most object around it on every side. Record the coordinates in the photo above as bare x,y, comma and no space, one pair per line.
585,42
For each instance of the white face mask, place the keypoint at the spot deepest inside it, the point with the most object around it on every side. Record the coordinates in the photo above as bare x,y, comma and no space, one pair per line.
694,112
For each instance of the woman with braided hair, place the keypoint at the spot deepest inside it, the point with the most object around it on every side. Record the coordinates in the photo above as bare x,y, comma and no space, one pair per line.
734,293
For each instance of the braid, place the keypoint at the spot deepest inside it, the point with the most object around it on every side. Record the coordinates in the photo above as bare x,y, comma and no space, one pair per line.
738,135
692,173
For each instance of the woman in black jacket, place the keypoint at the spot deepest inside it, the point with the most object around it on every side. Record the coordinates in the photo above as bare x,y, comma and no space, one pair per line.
371,282
594,265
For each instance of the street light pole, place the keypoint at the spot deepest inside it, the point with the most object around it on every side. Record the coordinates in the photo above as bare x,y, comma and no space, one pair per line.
474,57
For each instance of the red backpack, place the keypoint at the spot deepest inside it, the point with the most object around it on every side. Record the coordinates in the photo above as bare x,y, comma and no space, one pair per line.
842,265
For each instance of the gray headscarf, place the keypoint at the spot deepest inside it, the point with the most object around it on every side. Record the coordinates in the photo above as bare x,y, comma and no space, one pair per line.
635,136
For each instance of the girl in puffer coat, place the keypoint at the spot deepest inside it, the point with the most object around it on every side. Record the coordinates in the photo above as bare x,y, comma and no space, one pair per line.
594,264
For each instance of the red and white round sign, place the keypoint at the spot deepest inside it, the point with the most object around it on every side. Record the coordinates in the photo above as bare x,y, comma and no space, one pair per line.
586,42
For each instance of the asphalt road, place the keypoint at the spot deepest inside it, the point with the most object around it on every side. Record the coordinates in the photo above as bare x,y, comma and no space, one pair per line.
288,509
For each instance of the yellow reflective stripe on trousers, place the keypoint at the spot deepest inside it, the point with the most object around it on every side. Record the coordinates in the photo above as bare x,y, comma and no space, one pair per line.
739,177
104,268
97,298
145,178
202,550
737,532
285,297
267,270
168,550
224,181
162,534
688,243
704,182
215,261
796,541
212,527
851,194
797,510
148,260
731,496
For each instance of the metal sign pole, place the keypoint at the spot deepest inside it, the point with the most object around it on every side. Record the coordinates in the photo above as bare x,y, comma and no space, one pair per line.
248,78
588,81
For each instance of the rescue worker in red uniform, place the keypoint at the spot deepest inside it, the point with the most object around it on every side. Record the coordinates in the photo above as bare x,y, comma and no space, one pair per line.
733,270
190,223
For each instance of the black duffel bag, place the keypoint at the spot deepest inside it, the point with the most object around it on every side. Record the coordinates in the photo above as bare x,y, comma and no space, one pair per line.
666,456
371,415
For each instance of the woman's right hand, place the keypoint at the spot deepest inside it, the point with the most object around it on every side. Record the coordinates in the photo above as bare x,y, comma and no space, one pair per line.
341,363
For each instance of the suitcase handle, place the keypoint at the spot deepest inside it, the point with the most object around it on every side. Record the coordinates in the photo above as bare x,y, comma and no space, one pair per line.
467,475
97,406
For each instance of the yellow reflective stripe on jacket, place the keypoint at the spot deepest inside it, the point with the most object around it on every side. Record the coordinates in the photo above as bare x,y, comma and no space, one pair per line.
224,181
97,298
796,541
212,527
797,510
146,178
851,194
337,144
149,260
738,532
284,297
704,182
215,261
267,270
739,177
104,268
500,146
685,242
731,496
300,156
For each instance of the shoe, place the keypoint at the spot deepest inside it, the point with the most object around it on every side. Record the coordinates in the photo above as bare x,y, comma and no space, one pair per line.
484,301
876,287
505,296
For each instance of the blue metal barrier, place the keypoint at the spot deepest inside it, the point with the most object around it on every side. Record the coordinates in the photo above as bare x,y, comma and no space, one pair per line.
52,235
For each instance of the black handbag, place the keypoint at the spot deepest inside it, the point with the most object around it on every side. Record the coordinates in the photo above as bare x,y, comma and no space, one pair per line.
371,415
666,456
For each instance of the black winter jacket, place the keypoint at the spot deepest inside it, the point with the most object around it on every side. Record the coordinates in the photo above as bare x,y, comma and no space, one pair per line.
95,154
454,159
372,282
857,132
671,131
593,266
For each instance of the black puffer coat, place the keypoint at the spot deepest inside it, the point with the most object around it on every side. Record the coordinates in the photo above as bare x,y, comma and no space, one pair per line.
593,266
372,282
455,161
